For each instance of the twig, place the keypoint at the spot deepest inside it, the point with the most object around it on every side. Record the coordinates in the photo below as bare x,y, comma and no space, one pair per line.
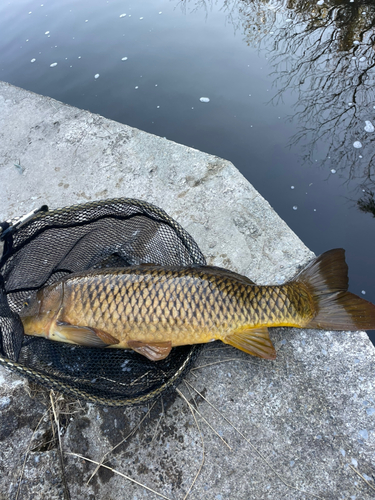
27,452
158,422
200,432
360,475
254,448
118,444
223,361
209,425
222,348
119,473
66,489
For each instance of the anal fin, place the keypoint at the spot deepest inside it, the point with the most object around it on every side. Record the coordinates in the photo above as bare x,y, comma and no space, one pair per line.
81,335
155,351
254,341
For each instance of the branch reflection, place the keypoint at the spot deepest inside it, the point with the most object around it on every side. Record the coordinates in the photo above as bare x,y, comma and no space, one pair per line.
324,50
326,53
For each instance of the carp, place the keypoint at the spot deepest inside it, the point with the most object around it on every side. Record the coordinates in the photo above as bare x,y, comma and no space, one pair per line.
151,308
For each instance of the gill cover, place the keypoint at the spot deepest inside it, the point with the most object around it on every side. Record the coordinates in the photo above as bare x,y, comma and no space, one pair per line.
38,315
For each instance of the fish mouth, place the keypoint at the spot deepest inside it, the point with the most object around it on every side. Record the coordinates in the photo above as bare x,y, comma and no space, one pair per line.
30,327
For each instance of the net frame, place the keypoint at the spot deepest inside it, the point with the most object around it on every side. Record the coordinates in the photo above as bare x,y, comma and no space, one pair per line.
43,247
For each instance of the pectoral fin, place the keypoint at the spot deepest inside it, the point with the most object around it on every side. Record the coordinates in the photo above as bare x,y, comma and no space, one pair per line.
81,335
255,341
154,351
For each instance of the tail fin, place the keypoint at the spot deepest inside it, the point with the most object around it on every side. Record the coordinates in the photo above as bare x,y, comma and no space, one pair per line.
326,278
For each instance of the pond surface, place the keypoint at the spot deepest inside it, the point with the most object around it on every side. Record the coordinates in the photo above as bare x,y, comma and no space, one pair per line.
283,90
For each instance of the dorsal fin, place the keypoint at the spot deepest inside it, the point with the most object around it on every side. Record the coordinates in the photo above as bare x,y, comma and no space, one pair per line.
220,271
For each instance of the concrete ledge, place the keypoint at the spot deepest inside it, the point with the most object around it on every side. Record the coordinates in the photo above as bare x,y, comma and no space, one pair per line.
310,414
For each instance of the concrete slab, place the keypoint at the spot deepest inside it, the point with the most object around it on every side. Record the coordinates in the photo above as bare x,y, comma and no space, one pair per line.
308,417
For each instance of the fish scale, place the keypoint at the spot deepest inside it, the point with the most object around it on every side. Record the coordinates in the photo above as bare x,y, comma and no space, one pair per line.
159,301
153,308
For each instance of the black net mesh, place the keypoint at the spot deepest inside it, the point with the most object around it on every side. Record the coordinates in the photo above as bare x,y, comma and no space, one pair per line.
110,233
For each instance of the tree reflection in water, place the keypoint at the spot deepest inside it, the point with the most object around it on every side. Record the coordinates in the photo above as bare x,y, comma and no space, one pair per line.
366,204
326,54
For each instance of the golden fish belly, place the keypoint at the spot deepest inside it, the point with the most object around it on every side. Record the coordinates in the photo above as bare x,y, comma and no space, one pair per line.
184,306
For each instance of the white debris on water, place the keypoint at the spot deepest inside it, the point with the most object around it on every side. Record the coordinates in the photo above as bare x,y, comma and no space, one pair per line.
291,187
33,60
124,59
357,144
53,65
295,207
333,171
46,33
204,99
136,87
369,126
141,18
96,76
320,2
363,292
362,59
356,42
122,15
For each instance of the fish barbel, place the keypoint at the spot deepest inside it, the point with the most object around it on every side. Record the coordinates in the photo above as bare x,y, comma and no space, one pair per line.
150,308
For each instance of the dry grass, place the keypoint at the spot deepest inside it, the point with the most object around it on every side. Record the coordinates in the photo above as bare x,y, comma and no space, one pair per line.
203,448
135,428
254,448
27,454
360,475
61,407
55,405
119,473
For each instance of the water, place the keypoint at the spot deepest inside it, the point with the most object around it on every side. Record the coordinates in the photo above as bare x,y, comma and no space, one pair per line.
286,94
